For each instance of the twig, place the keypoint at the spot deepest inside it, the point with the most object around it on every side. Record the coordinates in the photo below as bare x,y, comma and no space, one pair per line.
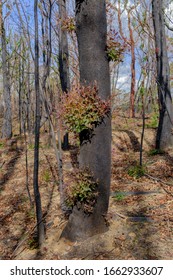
6,215
121,215
168,223
2,164
162,182
28,233
167,192
159,180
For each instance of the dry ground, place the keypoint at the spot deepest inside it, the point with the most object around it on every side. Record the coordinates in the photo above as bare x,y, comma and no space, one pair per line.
140,213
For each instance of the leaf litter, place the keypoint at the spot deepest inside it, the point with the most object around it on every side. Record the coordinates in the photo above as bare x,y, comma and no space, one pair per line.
140,219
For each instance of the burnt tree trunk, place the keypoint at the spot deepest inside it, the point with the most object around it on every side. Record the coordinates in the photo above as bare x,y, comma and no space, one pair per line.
96,154
7,118
164,137
40,225
29,121
63,59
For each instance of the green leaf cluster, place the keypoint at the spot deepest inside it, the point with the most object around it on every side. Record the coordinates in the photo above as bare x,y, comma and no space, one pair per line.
154,120
115,47
155,152
46,176
114,54
83,191
2,145
119,196
136,171
68,24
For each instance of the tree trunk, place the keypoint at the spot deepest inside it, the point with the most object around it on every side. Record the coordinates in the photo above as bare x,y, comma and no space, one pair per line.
40,225
19,92
64,59
7,118
133,72
47,52
164,138
96,154
29,121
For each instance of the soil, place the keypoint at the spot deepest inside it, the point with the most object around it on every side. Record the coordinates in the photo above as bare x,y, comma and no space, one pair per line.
140,213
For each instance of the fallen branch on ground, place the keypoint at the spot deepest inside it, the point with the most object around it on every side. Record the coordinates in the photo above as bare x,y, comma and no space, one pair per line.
162,182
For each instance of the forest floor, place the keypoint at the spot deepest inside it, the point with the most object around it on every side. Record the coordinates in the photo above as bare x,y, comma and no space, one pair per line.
140,213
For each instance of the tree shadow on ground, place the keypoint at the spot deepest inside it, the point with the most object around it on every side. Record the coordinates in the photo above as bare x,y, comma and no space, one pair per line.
14,235
53,187
10,168
140,229
26,239
168,157
134,143
134,140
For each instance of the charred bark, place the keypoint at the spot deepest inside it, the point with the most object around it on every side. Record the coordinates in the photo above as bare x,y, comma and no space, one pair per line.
164,137
96,153
7,117
40,225
64,60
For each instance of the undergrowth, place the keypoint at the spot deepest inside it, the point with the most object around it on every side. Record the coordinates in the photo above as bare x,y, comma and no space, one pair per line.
136,171
83,191
119,196
155,152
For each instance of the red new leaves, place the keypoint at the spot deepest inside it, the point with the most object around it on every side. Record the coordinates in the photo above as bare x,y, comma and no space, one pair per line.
82,108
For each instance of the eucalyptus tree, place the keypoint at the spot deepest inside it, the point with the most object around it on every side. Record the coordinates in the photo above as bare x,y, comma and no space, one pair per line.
164,137
95,153
7,115
63,57
40,224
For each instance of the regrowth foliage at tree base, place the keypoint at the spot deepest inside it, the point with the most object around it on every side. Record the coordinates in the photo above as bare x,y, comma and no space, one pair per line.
83,192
